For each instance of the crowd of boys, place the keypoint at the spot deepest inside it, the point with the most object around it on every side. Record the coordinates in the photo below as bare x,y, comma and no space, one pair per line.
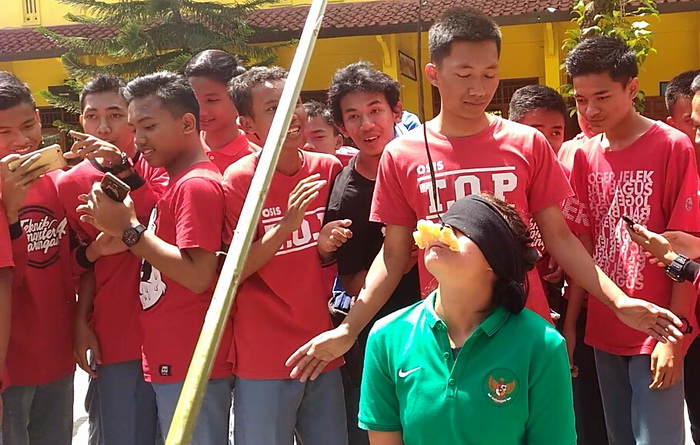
337,221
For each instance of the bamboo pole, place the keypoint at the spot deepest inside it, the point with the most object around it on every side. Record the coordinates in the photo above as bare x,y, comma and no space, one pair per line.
192,395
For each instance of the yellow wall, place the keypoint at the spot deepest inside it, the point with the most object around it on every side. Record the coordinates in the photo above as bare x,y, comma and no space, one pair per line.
331,54
676,39
38,74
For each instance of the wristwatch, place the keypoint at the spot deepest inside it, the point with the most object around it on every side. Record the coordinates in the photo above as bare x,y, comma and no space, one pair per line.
123,166
132,235
686,327
675,268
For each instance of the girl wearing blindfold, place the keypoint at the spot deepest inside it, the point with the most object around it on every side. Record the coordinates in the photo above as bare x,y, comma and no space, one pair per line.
470,364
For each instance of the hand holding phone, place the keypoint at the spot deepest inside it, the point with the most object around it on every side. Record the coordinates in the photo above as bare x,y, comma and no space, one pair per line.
630,222
114,187
51,156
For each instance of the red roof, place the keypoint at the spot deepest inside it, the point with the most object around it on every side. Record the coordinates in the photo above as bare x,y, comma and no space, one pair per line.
341,19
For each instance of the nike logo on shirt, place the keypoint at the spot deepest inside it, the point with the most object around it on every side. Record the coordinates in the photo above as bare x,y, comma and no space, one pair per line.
403,373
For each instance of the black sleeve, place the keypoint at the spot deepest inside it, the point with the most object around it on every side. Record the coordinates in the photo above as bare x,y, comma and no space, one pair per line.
15,230
351,256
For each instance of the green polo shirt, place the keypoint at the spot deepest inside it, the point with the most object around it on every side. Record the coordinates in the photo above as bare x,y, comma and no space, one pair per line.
509,385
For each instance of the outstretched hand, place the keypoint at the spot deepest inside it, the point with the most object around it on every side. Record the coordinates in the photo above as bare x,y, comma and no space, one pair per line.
649,318
309,360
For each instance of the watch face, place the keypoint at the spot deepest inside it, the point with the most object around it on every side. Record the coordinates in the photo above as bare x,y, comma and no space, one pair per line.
131,236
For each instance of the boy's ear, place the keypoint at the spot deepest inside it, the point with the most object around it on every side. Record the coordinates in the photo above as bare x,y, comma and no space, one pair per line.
247,123
633,88
189,122
38,117
431,73
338,141
341,129
398,111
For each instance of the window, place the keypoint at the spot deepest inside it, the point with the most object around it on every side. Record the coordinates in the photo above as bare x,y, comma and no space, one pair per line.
50,133
31,12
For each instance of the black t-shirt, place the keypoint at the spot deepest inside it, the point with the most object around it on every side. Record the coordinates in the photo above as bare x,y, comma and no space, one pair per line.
351,198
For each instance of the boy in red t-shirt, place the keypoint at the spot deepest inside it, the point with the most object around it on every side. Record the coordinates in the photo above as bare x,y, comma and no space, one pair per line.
283,295
322,135
209,73
178,248
471,152
646,171
38,404
121,404
541,107
679,96
568,148
6,265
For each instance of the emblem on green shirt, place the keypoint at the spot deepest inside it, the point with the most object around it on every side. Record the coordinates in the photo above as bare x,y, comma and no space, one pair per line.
501,386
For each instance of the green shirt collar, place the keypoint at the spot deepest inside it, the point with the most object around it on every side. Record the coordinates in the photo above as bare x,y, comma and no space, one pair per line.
490,326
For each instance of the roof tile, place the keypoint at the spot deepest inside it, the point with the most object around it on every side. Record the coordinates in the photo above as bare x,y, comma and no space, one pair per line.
348,16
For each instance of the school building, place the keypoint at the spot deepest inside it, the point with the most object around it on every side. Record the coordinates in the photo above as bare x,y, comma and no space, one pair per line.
383,32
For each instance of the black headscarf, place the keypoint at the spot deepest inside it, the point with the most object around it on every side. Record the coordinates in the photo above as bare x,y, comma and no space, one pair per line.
506,254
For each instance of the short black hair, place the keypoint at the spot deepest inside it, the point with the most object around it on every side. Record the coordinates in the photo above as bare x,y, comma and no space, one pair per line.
535,97
603,54
240,88
695,86
679,87
360,77
14,92
173,90
103,83
461,25
216,65
315,108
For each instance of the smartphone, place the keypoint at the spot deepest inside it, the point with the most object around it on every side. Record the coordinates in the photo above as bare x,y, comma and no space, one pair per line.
51,156
114,187
628,220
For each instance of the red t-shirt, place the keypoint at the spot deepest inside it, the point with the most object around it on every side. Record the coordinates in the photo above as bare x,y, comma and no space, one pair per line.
189,215
285,303
116,306
567,151
510,160
43,297
5,261
653,181
231,152
5,242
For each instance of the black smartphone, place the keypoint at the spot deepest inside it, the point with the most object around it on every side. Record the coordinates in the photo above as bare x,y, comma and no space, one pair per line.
628,220
114,187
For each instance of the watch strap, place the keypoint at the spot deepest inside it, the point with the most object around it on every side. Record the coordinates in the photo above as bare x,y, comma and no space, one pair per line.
674,270
123,166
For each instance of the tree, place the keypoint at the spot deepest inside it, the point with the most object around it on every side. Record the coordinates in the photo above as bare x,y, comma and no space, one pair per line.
129,38
620,18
